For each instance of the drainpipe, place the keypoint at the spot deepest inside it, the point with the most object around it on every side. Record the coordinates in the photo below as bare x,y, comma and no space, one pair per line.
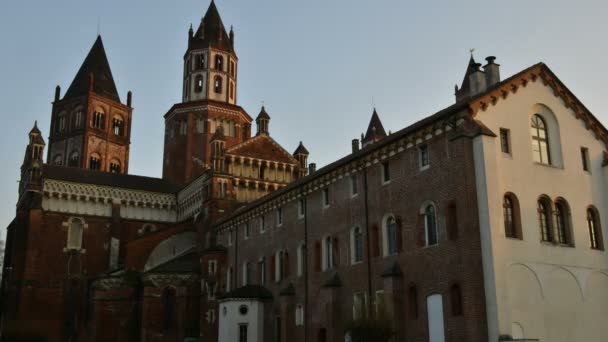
369,255
305,255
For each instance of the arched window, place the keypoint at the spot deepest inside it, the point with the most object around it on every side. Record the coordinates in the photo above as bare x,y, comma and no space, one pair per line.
200,62
168,303
390,236
198,84
279,266
357,245
77,118
95,162
217,84
99,119
430,226
540,140
456,297
219,63
118,126
74,159
75,232
595,230
115,166
562,222
300,257
58,160
544,219
62,122
511,216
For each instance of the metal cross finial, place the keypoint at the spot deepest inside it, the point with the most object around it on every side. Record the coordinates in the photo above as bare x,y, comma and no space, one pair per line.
471,51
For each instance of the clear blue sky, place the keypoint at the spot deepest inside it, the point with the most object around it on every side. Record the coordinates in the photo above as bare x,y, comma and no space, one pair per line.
315,63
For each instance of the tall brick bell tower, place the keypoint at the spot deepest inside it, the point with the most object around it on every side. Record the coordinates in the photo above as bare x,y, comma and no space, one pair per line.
90,127
208,102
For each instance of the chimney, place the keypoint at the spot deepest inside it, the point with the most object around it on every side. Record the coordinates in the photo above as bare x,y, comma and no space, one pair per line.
129,98
492,71
477,81
355,145
57,93
312,167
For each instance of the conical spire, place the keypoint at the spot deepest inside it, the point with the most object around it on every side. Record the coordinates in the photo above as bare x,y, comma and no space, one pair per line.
375,130
465,86
95,64
301,150
211,32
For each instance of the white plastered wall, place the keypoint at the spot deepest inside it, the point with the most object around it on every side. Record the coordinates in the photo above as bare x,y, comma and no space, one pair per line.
549,292
231,318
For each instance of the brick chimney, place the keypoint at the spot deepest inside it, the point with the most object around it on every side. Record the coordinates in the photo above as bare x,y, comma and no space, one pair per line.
312,168
355,145
477,81
492,71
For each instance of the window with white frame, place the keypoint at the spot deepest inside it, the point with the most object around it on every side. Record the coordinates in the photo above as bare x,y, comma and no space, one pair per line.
390,236
279,266
325,197
262,224
356,245
423,156
430,225
75,233
386,172
247,231
359,305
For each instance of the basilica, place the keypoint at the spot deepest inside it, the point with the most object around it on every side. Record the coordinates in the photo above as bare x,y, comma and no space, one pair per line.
482,222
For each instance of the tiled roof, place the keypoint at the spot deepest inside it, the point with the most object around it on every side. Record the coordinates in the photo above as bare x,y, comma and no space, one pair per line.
375,130
262,147
95,63
211,32
187,263
78,175
249,292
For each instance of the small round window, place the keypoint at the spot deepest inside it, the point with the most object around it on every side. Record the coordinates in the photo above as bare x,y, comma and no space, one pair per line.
243,309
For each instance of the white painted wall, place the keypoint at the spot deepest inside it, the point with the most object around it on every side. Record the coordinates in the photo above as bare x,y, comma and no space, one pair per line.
231,318
533,288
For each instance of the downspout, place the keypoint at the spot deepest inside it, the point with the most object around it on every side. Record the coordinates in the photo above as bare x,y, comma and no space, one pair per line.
236,256
305,255
369,255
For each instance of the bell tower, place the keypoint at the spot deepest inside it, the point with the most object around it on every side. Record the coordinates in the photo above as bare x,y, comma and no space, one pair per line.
210,63
90,126
209,102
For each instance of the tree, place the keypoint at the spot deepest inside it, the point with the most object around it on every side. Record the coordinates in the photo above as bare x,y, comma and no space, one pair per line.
371,326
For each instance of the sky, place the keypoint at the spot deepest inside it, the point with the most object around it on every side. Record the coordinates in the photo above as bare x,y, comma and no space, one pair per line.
319,66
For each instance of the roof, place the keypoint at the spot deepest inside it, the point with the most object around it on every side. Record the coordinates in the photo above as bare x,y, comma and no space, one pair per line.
465,104
249,292
263,115
194,104
86,176
375,130
95,63
301,150
36,135
186,263
262,147
211,32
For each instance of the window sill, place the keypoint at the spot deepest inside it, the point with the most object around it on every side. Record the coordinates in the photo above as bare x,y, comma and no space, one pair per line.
596,249
386,182
431,246
426,167
353,263
548,165
514,238
354,195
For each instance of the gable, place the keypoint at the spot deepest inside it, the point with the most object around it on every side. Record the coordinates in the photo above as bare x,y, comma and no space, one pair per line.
262,147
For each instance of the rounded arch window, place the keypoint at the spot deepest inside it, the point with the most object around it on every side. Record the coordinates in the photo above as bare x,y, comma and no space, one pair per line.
58,160
430,225
74,160
95,162
115,166
118,126
217,84
198,84
511,216
540,140
98,119
595,230
390,235
562,222
545,221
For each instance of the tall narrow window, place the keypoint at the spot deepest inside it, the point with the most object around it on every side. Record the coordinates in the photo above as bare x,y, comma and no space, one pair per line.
247,232
217,85
98,120
200,62
232,69
300,257
562,223
430,224
505,140
262,224
168,303
58,160
301,207
299,315
325,197
423,156
279,266
62,122
357,238
585,158
354,186
386,173
78,118
219,63
328,253
74,159
595,235
544,220
509,217
75,233
279,216
231,91
540,140
391,236
243,332
198,84
262,266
